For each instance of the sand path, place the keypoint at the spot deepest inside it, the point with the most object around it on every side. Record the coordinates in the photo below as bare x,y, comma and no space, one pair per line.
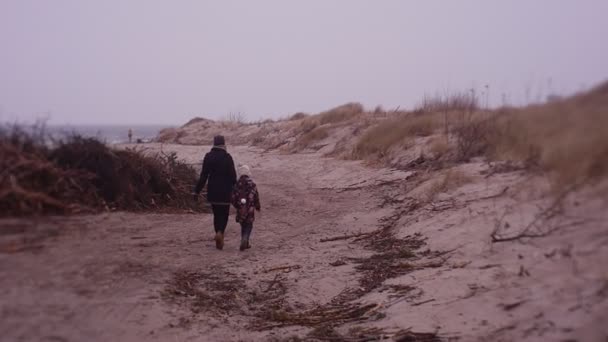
101,277
157,277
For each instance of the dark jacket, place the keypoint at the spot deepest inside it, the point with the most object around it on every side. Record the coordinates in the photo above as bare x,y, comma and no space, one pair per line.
245,189
218,170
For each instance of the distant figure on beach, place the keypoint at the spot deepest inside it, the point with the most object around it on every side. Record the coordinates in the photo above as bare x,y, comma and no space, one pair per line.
246,200
220,176
130,135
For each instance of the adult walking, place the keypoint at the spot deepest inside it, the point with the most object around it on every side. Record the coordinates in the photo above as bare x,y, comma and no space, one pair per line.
220,176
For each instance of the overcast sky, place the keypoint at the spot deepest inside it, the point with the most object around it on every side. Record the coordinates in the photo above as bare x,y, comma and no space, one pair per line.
153,61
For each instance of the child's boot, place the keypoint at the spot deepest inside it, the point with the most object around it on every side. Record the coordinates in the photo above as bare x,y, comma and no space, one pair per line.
244,243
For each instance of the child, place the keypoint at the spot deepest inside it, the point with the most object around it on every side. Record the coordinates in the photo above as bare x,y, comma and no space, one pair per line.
246,200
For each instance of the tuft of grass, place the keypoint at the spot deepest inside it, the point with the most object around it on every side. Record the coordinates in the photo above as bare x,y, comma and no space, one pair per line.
307,125
439,146
235,118
314,135
568,138
449,180
341,113
298,116
400,130
455,102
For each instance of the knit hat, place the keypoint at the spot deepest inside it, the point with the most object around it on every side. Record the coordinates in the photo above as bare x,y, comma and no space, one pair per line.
219,140
244,170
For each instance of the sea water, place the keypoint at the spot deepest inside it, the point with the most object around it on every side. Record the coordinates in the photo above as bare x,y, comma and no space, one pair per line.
111,134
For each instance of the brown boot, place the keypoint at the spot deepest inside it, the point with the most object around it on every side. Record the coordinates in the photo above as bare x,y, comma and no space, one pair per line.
219,240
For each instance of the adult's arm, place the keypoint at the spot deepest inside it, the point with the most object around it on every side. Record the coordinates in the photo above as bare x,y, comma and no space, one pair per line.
202,180
231,170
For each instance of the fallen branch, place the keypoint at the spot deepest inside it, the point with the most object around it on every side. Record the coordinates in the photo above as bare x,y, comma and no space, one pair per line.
551,211
344,237
442,253
485,267
423,302
509,307
274,281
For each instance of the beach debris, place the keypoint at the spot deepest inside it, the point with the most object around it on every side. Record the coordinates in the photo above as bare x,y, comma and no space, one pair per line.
423,302
344,237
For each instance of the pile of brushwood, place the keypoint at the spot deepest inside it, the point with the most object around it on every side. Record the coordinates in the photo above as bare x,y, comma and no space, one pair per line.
39,175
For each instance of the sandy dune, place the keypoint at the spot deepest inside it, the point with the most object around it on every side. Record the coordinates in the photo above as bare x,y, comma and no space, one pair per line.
410,264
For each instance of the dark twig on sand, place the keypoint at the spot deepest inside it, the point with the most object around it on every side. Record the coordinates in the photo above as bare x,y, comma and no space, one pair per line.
509,307
274,281
534,228
344,237
423,302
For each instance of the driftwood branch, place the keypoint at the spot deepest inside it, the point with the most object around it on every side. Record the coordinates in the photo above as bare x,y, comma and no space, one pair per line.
274,281
344,237
423,302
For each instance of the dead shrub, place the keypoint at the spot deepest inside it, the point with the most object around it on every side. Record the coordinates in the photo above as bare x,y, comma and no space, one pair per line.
341,113
30,183
473,134
84,174
235,118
